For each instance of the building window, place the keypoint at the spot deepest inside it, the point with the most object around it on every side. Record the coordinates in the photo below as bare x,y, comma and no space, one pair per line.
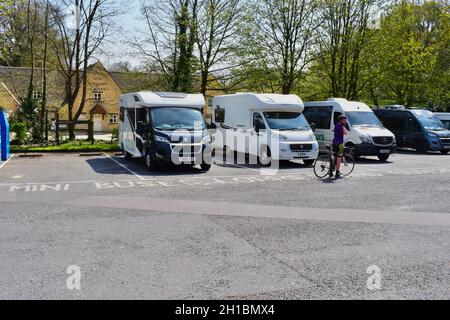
113,118
37,94
98,96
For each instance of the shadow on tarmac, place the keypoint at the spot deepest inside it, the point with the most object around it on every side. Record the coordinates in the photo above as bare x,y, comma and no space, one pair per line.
108,166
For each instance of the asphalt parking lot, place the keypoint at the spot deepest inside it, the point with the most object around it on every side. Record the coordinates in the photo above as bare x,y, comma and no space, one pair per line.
234,232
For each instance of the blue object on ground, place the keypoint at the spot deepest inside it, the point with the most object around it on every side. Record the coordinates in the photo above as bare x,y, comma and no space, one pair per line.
4,136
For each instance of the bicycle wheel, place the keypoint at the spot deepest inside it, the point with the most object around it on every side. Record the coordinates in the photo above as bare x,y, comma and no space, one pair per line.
322,166
347,165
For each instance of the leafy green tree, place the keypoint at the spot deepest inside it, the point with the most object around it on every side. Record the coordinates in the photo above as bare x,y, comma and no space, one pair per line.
20,129
411,55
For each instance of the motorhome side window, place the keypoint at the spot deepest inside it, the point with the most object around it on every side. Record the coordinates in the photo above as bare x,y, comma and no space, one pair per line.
320,116
142,115
258,121
219,115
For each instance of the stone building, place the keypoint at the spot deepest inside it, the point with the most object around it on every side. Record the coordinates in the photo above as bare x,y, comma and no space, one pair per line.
103,91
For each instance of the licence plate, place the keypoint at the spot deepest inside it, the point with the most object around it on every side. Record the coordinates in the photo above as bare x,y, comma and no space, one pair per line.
187,159
385,151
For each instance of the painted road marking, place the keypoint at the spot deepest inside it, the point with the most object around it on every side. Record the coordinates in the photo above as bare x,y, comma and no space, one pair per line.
4,163
125,167
203,181
40,187
262,211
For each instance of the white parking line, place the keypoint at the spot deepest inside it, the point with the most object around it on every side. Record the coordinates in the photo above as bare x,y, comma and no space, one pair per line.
233,165
125,167
4,163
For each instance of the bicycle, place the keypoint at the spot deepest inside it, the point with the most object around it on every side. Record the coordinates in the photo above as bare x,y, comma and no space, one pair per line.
325,164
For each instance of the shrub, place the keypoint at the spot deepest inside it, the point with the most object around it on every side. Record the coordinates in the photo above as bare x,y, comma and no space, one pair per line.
115,134
20,129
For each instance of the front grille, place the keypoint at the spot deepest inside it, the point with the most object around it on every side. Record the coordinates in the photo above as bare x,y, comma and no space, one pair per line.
445,141
383,141
301,147
186,150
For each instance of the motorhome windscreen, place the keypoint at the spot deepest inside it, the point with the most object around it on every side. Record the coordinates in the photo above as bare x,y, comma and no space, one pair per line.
170,119
431,123
280,120
359,118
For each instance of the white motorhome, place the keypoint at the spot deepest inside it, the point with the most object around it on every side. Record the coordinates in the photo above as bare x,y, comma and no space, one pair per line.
266,126
444,117
366,134
164,126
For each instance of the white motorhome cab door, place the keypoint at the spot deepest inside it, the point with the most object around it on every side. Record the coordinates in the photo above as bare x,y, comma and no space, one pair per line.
257,138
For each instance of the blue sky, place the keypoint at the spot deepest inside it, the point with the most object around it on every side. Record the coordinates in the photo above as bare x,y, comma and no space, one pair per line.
128,23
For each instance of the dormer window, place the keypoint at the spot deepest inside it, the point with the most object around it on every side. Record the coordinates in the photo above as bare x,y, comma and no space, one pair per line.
98,95
37,95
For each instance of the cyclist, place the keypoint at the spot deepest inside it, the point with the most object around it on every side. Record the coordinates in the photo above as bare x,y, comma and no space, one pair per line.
338,143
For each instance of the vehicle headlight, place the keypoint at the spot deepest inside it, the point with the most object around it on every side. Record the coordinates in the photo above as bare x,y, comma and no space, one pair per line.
432,135
276,135
312,136
365,139
394,140
206,139
161,139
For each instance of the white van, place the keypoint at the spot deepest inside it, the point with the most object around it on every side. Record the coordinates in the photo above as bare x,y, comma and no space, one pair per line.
366,134
266,126
444,117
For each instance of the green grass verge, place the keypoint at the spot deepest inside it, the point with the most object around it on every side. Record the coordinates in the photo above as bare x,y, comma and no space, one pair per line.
72,146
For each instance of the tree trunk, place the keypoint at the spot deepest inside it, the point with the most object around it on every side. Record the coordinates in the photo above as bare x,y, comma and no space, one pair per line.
43,125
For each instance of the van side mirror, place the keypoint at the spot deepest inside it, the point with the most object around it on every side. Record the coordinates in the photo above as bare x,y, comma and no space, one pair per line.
313,127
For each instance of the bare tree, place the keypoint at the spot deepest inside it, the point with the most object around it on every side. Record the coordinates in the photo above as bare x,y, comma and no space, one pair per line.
285,36
218,22
343,40
169,41
76,47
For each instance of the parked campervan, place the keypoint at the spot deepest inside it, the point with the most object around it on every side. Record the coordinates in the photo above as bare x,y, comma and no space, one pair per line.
416,128
366,134
265,126
444,117
164,126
